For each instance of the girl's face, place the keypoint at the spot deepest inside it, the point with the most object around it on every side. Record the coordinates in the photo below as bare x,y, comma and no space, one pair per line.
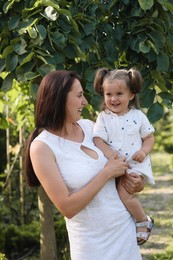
117,96
75,102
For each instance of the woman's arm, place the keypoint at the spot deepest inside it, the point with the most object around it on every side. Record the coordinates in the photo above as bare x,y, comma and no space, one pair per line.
69,204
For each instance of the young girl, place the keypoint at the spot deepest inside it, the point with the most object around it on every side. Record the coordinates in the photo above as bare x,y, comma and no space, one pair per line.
123,129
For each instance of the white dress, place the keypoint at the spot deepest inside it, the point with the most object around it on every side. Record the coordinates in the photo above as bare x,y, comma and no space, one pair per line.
104,229
124,134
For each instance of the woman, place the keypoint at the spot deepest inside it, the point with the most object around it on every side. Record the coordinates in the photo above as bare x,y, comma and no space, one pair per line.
80,181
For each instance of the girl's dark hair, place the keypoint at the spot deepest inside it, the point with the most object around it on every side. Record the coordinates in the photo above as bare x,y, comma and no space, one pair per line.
50,111
132,78
100,75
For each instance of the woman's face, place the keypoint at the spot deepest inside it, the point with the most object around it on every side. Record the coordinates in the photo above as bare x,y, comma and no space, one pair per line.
75,102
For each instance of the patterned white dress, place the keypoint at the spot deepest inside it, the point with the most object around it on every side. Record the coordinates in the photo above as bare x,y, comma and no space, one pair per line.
103,230
124,134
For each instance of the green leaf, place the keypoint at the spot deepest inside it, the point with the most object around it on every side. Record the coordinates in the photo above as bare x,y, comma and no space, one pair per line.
159,79
65,23
71,51
96,101
2,64
8,5
58,38
89,74
32,32
162,62
155,112
33,88
146,4
59,57
27,58
8,82
26,24
3,122
19,45
147,97
22,70
166,95
152,46
42,31
143,47
30,75
158,38
166,4
7,51
45,68
13,22
11,62
89,28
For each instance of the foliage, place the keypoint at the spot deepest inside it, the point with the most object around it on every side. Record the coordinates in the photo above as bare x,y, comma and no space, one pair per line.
45,35
2,257
18,240
164,133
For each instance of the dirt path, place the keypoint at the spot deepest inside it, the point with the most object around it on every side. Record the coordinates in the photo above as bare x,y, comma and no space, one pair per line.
158,202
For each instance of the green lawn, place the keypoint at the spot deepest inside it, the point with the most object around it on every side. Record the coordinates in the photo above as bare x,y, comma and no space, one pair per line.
158,202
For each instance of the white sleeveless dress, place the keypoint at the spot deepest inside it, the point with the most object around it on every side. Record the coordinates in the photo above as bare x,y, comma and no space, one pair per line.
103,230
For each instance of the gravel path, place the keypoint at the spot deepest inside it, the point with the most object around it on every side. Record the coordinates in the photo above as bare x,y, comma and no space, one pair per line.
158,202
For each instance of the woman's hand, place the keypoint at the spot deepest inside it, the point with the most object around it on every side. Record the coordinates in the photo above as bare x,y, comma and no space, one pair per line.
133,182
115,166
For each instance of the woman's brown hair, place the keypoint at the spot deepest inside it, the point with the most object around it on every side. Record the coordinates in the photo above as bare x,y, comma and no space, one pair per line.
50,111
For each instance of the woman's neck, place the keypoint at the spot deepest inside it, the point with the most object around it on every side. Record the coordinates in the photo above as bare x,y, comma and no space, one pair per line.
71,131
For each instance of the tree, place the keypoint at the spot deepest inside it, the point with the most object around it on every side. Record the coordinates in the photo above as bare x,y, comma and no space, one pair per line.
44,35
38,36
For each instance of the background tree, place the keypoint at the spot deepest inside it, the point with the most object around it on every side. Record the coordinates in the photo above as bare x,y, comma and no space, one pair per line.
45,35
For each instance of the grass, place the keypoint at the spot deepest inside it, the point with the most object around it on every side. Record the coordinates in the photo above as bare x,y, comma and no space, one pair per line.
157,201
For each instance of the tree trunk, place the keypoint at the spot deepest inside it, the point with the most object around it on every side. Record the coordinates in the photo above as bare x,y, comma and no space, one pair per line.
21,179
48,249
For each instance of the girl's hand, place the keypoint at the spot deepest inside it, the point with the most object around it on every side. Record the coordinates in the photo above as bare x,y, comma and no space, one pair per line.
139,156
133,182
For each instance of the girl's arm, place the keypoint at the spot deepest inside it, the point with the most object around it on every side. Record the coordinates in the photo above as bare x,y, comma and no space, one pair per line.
69,204
146,148
105,148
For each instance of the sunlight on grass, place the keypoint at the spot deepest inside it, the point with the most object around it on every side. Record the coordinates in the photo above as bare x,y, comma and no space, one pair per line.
157,201
161,162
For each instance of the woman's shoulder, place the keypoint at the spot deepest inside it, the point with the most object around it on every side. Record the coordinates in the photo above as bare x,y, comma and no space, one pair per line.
38,145
86,123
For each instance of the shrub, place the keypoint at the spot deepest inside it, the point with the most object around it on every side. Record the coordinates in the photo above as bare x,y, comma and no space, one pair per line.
21,239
